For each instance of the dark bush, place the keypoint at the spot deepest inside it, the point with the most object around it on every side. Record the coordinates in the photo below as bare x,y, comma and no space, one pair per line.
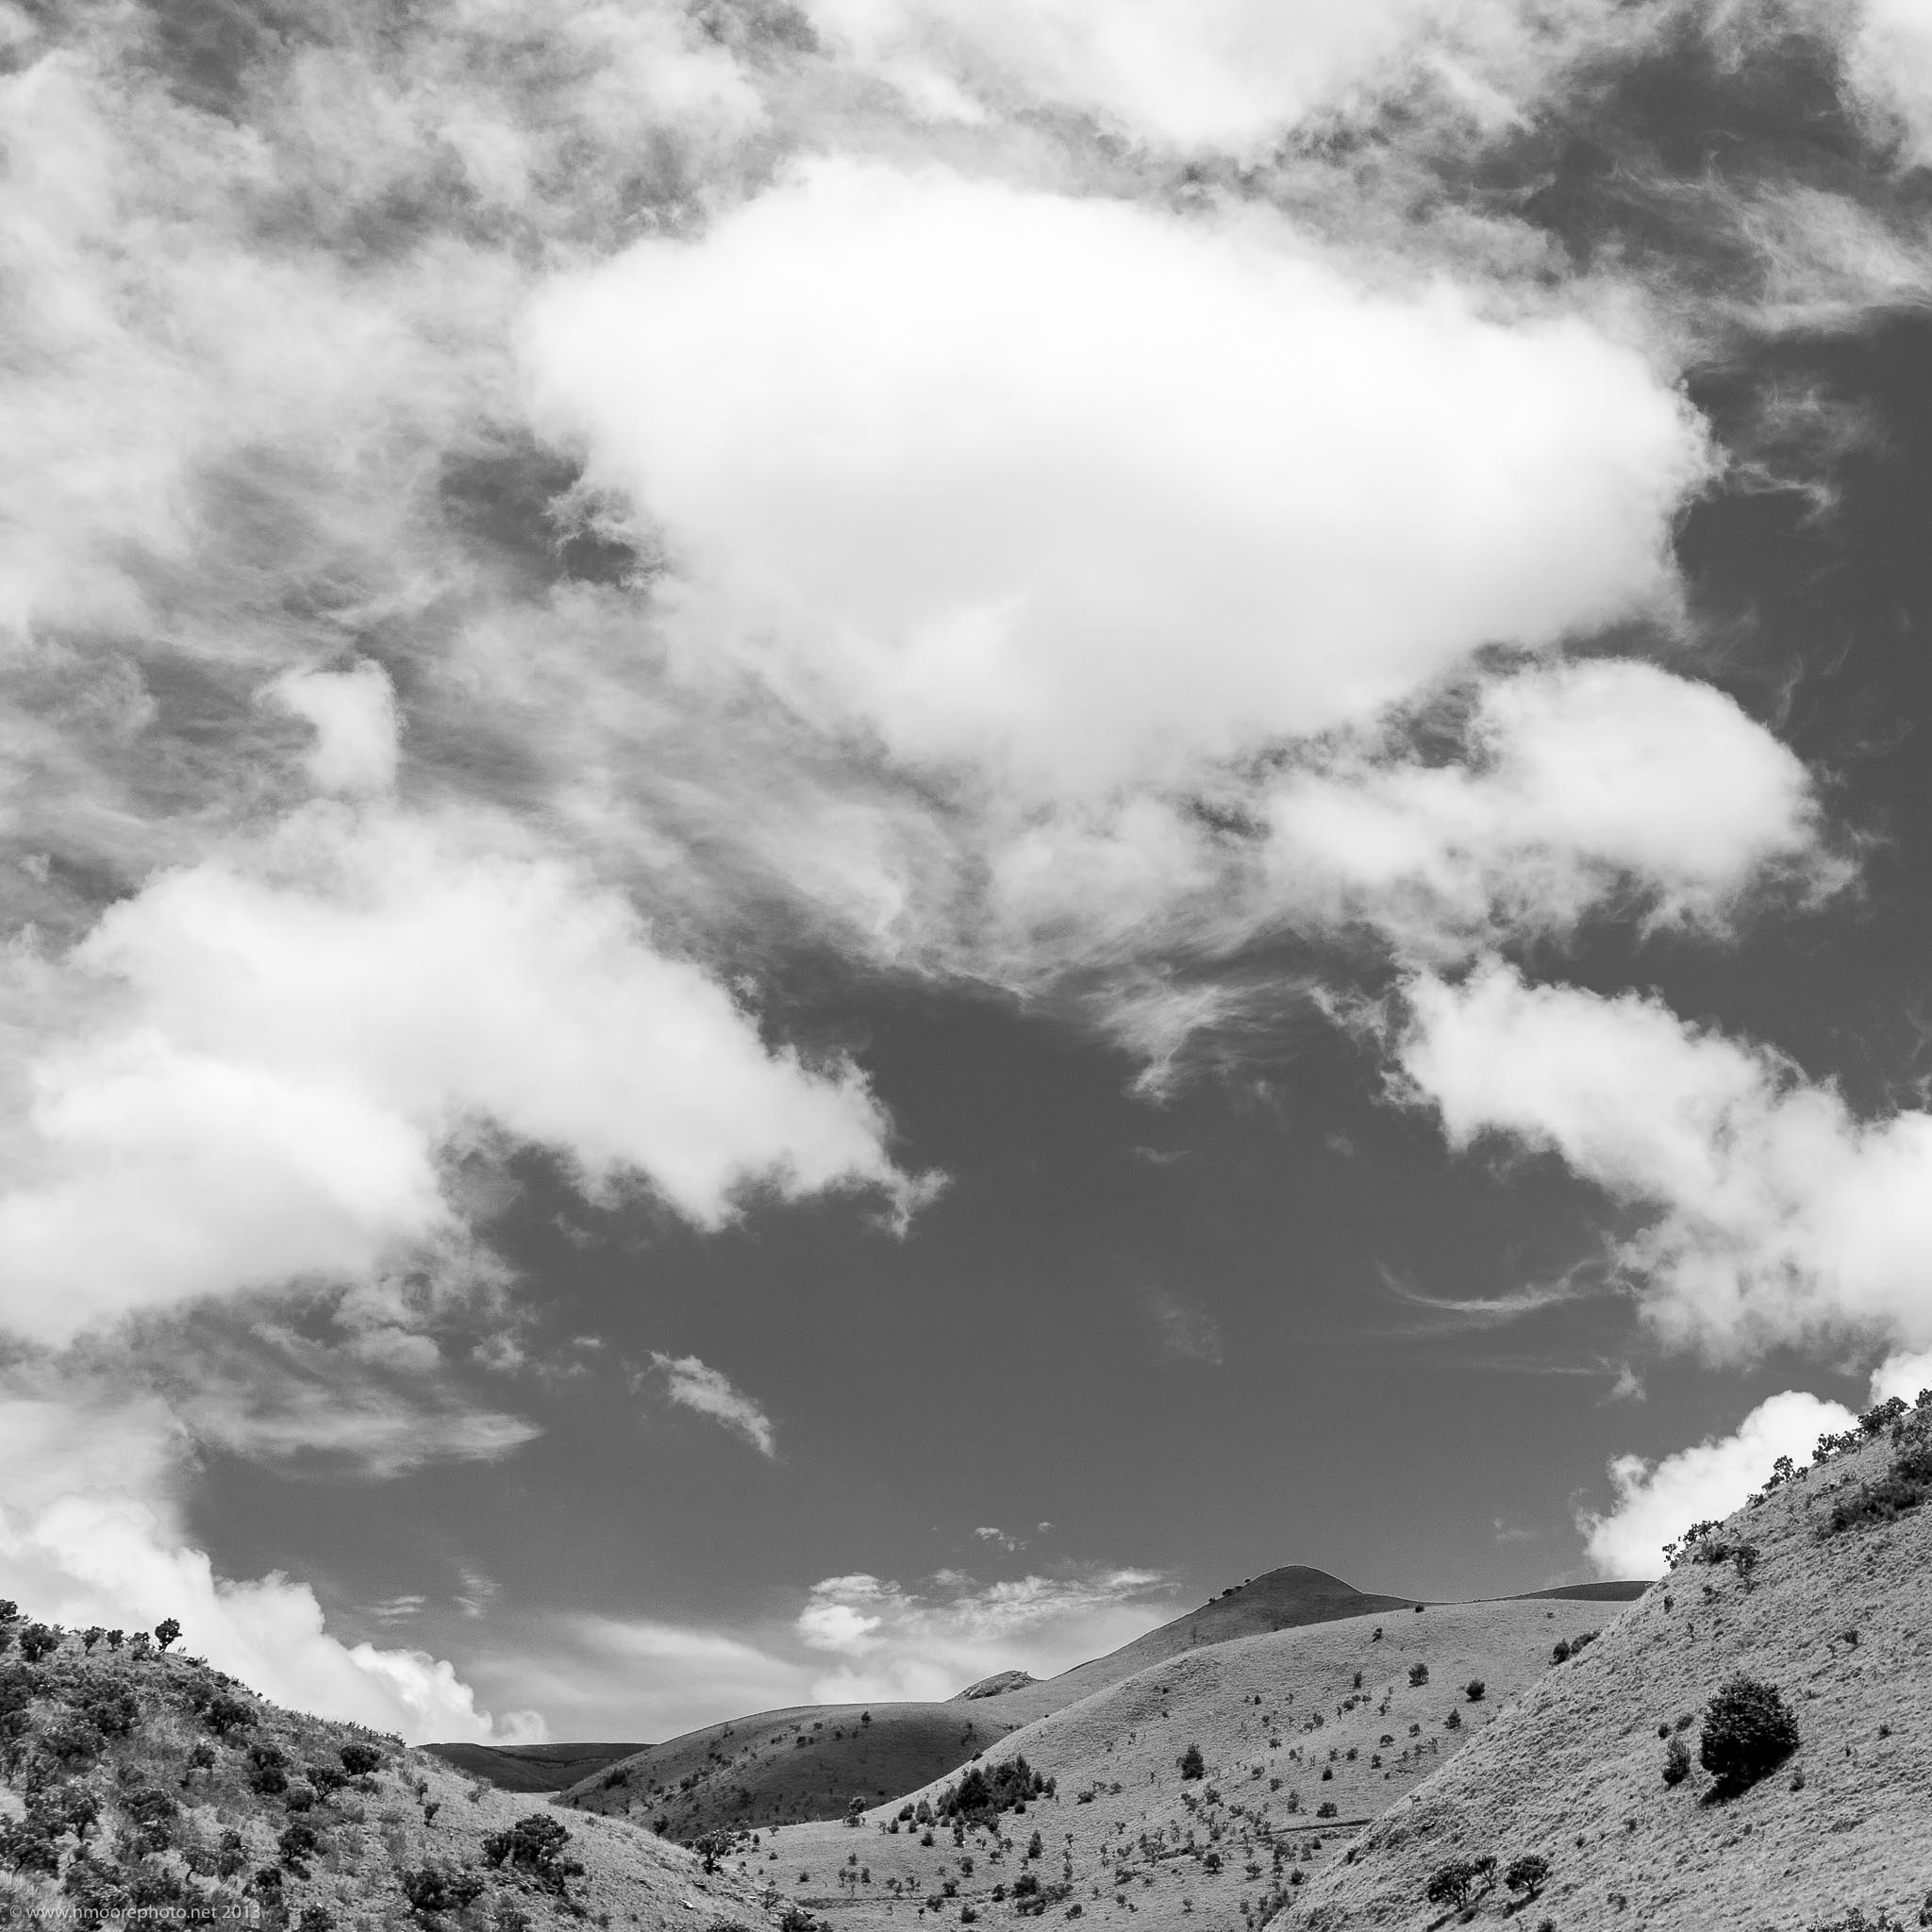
37,1641
1676,1763
167,1631
535,1844
1747,1732
299,1841
1561,1653
432,1891
359,1760
1474,1690
1454,1885
1528,1874
1193,1764
981,1796
1417,1675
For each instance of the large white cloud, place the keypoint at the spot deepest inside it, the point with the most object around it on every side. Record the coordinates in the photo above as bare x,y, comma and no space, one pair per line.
269,1052
1656,1502
1082,491
1772,1212
89,1534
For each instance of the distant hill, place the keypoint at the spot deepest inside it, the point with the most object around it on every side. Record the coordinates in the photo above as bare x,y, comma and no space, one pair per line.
1842,1624
1342,1717
533,1767
138,1781
790,1766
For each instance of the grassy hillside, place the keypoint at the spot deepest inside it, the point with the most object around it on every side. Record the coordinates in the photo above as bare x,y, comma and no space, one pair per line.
1840,1621
1132,1838
533,1767
788,1766
783,1766
136,1780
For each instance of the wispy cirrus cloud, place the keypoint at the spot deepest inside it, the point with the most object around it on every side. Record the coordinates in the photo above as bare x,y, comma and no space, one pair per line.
696,1385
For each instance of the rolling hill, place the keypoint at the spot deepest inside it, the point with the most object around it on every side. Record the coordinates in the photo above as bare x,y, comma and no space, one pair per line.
790,1767
533,1767
1350,1714
1840,1621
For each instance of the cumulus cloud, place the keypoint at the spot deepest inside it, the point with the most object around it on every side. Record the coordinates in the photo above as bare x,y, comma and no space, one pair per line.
897,1644
276,1047
1581,785
1770,1212
694,1384
876,412
89,1534
1656,1502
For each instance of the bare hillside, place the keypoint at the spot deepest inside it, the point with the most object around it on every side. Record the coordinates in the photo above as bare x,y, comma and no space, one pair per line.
133,1779
1574,1772
1288,1723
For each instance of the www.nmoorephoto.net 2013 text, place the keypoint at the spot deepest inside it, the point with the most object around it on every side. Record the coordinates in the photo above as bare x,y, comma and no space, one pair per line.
230,1912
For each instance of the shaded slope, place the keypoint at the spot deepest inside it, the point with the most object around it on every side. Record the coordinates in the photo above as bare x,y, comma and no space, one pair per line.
136,1781
780,1766
1137,1842
1842,1623
533,1767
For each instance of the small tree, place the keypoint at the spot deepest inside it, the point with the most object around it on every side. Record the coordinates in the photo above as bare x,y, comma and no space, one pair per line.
1528,1874
167,1631
1747,1732
1193,1764
1676,1763
37,1641
1454,1885
1418,1677
359,1760
1474,1690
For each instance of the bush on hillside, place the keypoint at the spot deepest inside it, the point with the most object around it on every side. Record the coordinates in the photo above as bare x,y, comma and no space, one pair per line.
1676,1763
432,1891
1191,1763
534,1844
1474,1690
1417,1675
981,1796
1747,1732
1528,1874
1454,1885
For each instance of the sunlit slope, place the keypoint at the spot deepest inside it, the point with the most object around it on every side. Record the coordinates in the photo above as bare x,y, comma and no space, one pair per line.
1842,1624
1132,1839
809,1762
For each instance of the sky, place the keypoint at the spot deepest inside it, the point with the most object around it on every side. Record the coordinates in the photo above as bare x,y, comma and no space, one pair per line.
844,840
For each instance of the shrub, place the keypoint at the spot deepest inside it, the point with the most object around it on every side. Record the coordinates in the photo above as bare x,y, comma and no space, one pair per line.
1417,1675
359,1760
534,1843
1747,1732
1474,1690
37,1641
1528,1874
1192,1762
1676,1763
167,1631
1327,1808
1454,1885
1562,1651
299,1841
430,1891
